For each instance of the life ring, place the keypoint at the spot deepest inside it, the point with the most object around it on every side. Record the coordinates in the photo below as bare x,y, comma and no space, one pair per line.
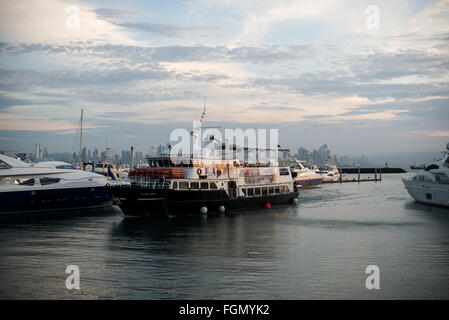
218,172
198,171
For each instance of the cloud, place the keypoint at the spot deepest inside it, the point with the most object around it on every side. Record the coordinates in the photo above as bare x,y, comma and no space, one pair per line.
45,21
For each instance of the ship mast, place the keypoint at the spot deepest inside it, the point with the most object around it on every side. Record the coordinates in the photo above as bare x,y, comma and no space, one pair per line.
203,115
81,140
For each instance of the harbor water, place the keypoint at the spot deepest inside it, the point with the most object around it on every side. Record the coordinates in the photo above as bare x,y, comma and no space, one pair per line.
318,249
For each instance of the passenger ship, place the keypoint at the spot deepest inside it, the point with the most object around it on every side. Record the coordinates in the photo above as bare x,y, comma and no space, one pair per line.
205,184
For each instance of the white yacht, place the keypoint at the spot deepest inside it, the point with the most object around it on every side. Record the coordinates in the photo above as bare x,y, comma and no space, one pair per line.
48,186
431,186
331,174
304,177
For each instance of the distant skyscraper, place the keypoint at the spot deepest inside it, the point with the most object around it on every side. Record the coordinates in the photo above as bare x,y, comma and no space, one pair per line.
95,155
303,154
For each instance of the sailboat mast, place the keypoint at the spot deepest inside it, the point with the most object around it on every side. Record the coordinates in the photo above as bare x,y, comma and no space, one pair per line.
81,140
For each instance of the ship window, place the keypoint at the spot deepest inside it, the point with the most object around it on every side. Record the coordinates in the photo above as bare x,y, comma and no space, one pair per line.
204,185
284,171
270,190
244,191
284,189
175,185
213,185
4,165
276,189
194,185
264,191
257,191
27,182
45,181
184,185
250,191
66,166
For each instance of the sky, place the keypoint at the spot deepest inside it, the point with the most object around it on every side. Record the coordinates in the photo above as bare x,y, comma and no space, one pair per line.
364,77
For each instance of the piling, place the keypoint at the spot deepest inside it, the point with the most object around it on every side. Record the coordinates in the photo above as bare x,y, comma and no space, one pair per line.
375,174
359,174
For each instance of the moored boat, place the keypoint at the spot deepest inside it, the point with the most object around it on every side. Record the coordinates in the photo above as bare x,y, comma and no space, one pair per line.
209,182
48,186
431,186
305,177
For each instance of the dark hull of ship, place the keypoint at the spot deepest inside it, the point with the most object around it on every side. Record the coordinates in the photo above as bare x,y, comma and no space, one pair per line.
137,202
54,200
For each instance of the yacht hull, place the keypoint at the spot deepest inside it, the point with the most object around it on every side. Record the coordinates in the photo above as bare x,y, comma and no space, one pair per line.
140,202
51,200
429,193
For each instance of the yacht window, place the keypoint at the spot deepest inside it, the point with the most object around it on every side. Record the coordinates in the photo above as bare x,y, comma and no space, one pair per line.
27,182
270,190
244,191
250,191
441,177
284,171
4,165
264,191
213,185
204,185
175,185
431,167
257,191
45,181
194,185
276,189
283,189
66,166
184,185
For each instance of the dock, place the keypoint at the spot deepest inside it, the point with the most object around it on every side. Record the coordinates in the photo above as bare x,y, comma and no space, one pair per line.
355,180
372,170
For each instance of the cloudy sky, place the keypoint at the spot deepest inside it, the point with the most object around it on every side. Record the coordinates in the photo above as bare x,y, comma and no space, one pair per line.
335,72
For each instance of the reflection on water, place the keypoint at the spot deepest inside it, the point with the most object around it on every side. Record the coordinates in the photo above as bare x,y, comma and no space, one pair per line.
317,250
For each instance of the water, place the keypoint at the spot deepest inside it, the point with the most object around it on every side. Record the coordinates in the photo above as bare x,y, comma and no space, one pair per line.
317,250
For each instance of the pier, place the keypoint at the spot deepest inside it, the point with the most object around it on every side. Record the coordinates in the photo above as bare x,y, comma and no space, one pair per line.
354,180
376,171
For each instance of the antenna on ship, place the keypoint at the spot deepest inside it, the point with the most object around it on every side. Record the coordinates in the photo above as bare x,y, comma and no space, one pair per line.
203,115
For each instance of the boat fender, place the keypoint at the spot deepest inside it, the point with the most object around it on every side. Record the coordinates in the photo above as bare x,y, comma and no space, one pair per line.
218,173
198,171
